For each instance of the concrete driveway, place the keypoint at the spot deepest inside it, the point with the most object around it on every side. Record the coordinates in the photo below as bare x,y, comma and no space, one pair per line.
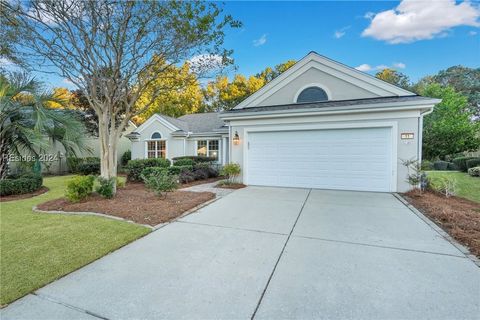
274,253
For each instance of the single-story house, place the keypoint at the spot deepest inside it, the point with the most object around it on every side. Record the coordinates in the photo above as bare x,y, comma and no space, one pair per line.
320,124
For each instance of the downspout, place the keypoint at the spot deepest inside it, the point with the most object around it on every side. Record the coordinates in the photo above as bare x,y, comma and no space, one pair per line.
229,140
420,133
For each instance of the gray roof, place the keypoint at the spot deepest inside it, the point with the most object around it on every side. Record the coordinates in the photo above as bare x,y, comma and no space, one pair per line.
198,122
330,104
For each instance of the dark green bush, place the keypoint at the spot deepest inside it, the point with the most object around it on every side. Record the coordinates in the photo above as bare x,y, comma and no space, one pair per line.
186,177
105,187
25,183
135,167
184,162
73,163
147,172
210,170
161,182
475,162
461,163
195,159
89,167
79,187
178,169
427,165
440,165
126,156
452,166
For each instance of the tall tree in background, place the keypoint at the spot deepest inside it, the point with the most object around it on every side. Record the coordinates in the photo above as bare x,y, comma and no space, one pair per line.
223,94
394,77
106,48
449,129
186,98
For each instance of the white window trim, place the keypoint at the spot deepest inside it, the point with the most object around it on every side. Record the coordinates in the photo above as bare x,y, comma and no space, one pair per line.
318,85
161,139
219,151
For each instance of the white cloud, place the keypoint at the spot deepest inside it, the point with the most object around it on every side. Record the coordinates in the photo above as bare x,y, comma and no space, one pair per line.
206,62
414,20
260,41
472,33
340,32
366,67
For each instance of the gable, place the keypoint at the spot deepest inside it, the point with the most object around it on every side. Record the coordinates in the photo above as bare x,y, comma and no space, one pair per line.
337,80
155,124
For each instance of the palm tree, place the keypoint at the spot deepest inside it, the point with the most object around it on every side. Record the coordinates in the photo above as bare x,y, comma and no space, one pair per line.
27,126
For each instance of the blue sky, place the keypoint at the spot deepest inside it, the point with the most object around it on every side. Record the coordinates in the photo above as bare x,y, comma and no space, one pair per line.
439,34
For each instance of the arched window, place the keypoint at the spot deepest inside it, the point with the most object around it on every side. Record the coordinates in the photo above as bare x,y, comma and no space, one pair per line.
312,94
156,135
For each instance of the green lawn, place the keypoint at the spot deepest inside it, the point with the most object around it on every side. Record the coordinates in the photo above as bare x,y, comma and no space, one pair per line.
468,187
38,248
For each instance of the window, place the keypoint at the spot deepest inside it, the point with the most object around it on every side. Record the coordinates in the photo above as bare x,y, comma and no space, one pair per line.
312,94
156,135
156,149
208,148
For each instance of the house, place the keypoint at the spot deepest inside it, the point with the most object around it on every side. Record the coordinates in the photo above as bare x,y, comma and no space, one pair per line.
320,124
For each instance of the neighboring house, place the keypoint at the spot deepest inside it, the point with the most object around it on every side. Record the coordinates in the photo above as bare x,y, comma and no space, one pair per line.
320,124
201,134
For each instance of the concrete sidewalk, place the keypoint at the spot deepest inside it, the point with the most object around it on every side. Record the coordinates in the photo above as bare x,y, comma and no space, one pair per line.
273,253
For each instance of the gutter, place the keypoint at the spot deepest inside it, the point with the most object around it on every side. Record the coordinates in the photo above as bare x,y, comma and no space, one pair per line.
420,131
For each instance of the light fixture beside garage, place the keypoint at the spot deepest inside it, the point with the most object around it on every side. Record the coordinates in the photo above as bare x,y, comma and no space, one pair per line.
236,138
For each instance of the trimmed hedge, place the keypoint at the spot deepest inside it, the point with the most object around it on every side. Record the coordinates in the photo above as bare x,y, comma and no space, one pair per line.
440,165
25,183
135,167
184,162
452,166
147,172
175,169
461,163
89,167
126,156
195,159
474,172
473,163
73,163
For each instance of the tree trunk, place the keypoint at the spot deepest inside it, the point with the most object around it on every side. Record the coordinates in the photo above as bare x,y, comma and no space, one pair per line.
108,150
3,159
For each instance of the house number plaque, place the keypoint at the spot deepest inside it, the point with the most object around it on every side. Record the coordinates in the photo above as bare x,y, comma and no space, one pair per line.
406,135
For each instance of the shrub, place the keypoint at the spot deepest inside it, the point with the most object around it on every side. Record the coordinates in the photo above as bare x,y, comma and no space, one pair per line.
161,182
73,163
25,183
179,169
211,170
186,177
126,156
184,162
461,163
79,187
135,167
427,165
147,172
440,165
200,173
195,159
475,162
414,173
105,189
89,167
120,182
474,172
231,171
452,167
446,185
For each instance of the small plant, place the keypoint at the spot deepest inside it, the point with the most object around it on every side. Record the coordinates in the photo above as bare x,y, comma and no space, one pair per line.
474,172
120,182
161,183
79,187
126,156
446,185
105,187
231,171
414,172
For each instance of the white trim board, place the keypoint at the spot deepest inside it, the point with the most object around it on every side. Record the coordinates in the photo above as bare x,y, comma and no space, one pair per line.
159,118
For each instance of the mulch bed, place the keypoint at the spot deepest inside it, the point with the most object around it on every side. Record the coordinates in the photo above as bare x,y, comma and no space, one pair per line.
136,203
459,217
13,197
233,186
197,182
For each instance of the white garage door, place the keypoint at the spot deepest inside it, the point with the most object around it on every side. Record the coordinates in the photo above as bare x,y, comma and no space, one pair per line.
345,159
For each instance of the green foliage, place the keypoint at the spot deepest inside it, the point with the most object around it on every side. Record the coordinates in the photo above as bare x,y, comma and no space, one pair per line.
452,166
24,183
183,162
126,156
475,162
474,172
175,169
79,187
414,172
461,163
135,167
394,77
120,181
73,163
147,172
446,185
196,159
105,187
440,165
89,167
161,182
427,165
449,129
231,171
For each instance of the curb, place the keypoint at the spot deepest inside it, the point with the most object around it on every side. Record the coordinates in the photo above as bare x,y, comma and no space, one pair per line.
439,230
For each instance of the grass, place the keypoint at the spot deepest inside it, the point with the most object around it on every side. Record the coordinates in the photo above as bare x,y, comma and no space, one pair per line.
38,248
468,187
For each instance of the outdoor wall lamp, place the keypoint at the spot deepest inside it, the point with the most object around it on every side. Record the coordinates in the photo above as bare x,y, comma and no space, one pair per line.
236,138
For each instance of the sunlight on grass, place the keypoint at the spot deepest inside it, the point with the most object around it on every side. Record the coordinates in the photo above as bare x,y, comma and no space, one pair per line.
468,187
38,248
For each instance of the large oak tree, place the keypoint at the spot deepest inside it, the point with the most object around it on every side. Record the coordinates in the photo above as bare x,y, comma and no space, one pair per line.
108,49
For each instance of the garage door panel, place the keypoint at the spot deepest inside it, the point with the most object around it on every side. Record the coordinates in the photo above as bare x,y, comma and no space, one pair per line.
347,159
